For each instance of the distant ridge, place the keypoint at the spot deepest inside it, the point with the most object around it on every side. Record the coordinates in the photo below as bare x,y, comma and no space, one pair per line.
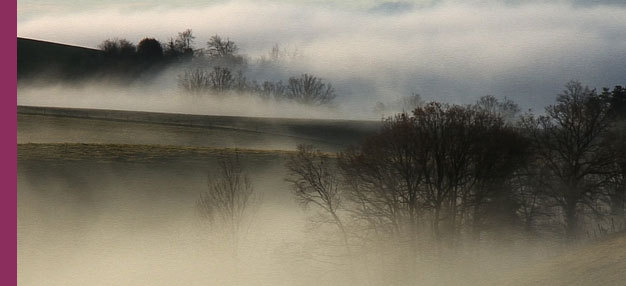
62,60
61,45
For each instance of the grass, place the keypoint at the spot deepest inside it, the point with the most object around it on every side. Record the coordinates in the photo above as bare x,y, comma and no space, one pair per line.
131,152
601,262
71,125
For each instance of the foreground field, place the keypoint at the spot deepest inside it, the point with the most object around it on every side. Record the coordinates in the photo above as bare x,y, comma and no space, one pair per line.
136,153
106,214
101,212
597,263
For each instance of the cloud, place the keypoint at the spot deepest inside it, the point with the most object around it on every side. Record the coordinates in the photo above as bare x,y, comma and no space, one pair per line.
451,51
392,7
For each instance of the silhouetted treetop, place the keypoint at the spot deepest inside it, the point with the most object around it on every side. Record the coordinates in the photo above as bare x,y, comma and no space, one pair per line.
569,140
118,48
218,47
149,49
617,100
184,41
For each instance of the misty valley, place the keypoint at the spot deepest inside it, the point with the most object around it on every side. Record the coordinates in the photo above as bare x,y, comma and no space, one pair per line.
111,197
382,143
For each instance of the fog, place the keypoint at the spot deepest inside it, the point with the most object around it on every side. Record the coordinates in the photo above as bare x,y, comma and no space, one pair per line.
161,97
447,50
102,202
103,223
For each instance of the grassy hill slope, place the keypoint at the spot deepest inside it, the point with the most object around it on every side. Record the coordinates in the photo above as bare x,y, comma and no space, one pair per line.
69,125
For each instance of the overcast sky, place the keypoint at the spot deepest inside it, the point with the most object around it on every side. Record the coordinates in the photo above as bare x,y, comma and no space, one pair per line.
453,51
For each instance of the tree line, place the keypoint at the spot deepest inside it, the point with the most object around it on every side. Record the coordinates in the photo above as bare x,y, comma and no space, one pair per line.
304,89
218,69
447,175
451,174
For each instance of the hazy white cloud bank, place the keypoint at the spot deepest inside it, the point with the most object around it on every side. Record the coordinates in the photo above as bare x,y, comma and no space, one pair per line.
449,51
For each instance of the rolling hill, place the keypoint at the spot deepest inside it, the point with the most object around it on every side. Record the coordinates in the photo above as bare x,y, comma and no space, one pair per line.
73,125
35,57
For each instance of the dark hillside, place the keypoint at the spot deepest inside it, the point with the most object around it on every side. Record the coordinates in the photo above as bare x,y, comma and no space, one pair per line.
58,60
46,62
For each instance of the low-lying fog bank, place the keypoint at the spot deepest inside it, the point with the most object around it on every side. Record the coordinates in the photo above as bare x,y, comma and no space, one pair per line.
168,99
83,222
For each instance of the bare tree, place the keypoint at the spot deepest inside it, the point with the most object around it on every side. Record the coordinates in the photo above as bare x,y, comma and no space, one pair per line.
230,197
316,182
224,52
221,79
499,152
181,46
447,134
529,194
184,42
506,108
272,90
449,162
218,47
118,48
570,141
617,142
196,81
309,90
384,176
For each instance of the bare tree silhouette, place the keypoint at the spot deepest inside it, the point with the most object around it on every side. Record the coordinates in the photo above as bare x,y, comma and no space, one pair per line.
229,199
316,182
570,141
309,90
